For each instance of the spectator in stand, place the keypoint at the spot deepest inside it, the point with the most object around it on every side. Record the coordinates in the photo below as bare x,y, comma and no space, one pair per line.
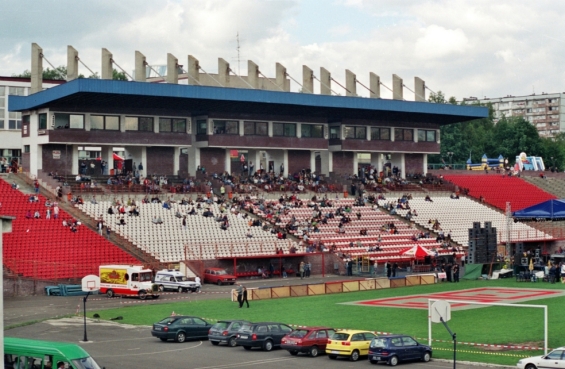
428,198
28,214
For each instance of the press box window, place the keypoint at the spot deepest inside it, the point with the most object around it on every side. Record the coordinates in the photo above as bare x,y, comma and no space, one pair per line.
255,128
284,129
334,132
226,127
139,124
382,134
201,127
312,130
358,133
69,121
426,135
175,125
104,122
401,134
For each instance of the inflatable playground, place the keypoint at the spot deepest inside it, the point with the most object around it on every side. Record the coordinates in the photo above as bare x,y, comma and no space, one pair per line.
523,162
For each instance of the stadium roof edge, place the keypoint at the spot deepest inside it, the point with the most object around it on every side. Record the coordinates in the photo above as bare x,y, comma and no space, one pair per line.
235,95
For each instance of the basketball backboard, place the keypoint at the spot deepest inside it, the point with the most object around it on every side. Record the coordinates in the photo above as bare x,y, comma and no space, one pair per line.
91,283
440,309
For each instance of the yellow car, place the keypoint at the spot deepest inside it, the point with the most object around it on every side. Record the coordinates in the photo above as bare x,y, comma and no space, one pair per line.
350,343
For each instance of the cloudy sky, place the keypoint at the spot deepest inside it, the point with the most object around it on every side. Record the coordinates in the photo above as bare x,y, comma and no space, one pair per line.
463,48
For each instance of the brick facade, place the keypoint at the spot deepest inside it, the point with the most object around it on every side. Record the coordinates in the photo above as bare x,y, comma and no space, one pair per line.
213,159
413,163
343,162
56,165
160,160
298,160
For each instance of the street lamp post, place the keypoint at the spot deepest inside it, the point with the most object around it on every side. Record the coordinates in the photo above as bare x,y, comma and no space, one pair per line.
450,154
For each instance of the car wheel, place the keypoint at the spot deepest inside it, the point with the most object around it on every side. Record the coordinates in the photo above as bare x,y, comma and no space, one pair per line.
426,357
393,361
293,352
142,295
180,289
247,347
268,345
531,366
354,356
219,282
313,351
215,343
181,337
110,293
163,339
332,357
161,288
232,342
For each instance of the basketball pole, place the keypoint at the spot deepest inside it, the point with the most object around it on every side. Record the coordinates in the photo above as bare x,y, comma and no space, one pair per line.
84,311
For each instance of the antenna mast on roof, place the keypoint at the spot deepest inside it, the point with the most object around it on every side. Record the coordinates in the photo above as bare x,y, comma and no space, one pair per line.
238,49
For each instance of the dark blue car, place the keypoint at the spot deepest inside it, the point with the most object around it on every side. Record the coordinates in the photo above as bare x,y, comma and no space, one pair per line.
396,348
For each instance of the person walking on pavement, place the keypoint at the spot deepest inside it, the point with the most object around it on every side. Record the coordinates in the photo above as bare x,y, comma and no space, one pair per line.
307,269
239,291
244,298
301,270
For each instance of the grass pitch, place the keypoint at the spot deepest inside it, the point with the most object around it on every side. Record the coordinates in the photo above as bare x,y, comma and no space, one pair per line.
492,325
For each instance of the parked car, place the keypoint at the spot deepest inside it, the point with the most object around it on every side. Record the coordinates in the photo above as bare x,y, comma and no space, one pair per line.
225,331
396,348
180,328
555,359
265,335
309,340
174,280
218,276
349,343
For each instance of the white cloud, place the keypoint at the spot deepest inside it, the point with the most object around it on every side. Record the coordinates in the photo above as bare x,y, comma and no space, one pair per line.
438,42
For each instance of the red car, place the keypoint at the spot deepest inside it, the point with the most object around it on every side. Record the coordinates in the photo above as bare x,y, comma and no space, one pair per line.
309,340
218,276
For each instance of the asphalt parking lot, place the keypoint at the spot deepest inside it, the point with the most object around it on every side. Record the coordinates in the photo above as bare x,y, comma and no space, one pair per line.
124,346
115,345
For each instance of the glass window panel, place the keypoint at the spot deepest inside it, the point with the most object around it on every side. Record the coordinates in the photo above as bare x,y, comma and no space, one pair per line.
306,130
278,129
201,127
61,120
112,123
12,124
349,132
2,112
290,130
398,134
179,125
165,125
261,129
2,102
421,135
361,133
1,123
249,128
2,90
13,115
96,122
232,127
132,123
431,136
42,121
408,135
318,131
17,91
145,124
385,134
76,121
219,127
334,132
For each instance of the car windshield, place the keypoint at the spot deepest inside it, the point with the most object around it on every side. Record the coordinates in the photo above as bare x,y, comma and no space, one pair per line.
246,327
221,272
145,277
182,279
378,343
220,325
340,336
168,320
299,333
85,363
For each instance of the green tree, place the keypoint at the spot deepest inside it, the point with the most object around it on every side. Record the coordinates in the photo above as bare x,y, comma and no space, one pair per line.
60,73
119,76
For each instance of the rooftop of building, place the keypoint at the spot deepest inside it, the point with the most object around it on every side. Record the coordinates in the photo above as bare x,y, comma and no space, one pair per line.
84,94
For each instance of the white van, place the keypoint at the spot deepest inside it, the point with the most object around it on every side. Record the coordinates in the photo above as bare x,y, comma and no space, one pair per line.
168,279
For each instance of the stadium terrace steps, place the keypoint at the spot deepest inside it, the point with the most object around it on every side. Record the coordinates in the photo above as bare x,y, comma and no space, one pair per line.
44,249
555,186
498,190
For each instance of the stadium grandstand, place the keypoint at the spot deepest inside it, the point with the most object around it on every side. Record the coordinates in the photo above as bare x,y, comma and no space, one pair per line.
207,170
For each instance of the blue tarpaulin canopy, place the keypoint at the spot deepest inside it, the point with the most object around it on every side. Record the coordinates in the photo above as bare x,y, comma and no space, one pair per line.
549,209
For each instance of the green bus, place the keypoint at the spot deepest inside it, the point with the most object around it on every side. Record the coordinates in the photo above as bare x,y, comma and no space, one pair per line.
20,353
